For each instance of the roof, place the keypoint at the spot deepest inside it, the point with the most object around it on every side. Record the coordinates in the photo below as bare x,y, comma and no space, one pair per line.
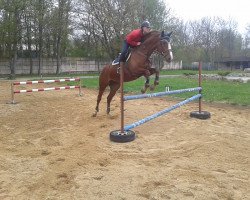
235,59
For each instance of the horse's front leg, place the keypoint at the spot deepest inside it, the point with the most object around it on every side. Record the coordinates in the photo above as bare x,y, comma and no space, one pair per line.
146,85
156,81
146,73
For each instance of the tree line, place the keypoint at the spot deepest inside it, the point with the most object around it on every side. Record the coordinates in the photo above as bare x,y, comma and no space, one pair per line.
95,29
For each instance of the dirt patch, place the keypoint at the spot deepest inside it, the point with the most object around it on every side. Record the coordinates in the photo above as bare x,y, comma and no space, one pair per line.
51,148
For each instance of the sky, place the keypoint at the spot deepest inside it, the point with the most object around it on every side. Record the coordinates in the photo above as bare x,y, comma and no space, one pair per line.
238,10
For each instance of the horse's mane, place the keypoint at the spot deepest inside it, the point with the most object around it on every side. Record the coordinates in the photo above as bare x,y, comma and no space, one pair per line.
150,34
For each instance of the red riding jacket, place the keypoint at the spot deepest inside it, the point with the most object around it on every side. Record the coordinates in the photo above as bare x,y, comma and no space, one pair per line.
134,37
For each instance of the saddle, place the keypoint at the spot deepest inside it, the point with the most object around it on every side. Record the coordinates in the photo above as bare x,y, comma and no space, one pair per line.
127,56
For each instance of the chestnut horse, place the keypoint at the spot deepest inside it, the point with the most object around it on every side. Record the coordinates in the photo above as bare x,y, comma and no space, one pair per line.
137,65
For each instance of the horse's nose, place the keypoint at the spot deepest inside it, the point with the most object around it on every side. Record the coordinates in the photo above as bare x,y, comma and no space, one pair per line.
171,56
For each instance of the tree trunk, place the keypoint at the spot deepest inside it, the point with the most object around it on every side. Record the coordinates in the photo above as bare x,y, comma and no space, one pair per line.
28,28
13,62
58,55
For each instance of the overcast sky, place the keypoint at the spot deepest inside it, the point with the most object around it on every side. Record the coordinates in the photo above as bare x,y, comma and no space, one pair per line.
238,10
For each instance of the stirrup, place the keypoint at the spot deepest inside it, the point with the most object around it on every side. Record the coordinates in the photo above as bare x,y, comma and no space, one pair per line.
118,70
117,60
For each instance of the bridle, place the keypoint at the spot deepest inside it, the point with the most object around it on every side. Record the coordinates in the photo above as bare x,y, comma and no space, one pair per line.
164,53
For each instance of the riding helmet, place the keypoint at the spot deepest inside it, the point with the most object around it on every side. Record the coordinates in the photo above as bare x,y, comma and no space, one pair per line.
145,24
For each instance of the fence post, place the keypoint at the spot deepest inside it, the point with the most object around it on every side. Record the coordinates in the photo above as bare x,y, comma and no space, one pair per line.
80,87
200,91
12,93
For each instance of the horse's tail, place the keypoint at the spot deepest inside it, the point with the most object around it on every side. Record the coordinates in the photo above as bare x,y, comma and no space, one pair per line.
103,83
103,75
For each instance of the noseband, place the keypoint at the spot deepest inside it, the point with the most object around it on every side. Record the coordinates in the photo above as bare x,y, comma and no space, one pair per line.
164,53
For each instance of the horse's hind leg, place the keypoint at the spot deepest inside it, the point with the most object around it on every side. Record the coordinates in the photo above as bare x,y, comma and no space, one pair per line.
99,97
113,89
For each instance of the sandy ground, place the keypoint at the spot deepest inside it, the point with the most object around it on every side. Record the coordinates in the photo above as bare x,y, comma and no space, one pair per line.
51,148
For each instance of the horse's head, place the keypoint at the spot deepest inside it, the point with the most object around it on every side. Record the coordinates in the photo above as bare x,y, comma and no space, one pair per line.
163,46
159,42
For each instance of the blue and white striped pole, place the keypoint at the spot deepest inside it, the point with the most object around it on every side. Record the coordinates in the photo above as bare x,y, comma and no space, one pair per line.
158,94
142,121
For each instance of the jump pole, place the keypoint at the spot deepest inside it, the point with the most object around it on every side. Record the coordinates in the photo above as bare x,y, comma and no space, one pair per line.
13,91
151,117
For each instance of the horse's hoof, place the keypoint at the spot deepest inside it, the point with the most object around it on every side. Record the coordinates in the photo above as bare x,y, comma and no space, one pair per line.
152,87
110,116
156,83
94,114
143,90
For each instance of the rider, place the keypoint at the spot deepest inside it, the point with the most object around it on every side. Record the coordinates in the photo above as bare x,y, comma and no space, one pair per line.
133,39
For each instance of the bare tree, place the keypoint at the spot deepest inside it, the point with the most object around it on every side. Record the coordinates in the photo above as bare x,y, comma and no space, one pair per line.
108,21
246,42
61,24
28,30
96,29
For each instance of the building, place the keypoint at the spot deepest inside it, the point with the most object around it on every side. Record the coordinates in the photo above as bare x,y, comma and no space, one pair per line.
233,63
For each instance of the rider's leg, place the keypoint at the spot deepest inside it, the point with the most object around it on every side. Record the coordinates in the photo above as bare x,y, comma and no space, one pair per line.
122,60
124,51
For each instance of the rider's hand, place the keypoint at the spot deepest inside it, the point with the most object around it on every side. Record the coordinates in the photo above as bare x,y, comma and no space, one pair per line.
138,43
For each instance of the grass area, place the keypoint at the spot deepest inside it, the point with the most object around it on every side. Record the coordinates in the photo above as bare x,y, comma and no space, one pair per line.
192,72
90,83
213,91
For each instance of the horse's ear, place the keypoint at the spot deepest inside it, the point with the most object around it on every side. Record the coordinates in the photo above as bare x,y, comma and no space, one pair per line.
162,34
169,34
